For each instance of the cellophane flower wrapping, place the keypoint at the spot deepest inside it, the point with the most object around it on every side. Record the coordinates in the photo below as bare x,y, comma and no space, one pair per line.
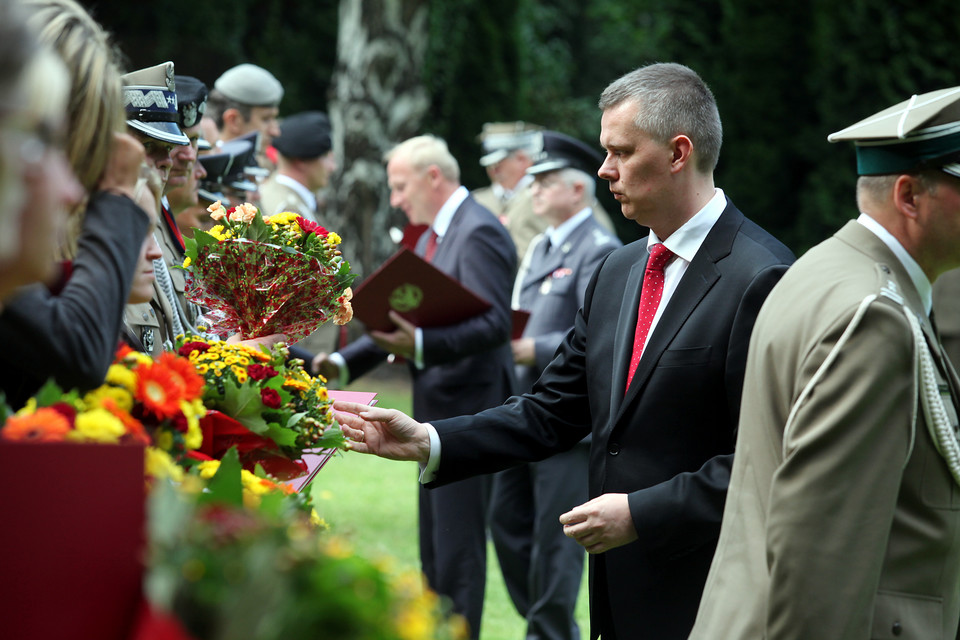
259,276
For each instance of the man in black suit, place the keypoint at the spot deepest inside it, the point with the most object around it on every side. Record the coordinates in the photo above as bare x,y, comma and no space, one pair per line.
464,367
660,395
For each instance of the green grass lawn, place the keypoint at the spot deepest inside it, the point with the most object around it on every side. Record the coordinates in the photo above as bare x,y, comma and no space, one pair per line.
373,503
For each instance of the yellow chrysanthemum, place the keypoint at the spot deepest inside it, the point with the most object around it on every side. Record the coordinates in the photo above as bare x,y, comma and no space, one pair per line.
231,359
139,358
208,468
333,239
97,425
299,385
240,373
217,232
119,395
284,218
164,440
159,464
27,409
203,368
317,521
194,436
120,376
187,262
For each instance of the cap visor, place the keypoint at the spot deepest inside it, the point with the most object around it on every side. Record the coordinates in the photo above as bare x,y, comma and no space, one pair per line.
547,165
493,157
163,131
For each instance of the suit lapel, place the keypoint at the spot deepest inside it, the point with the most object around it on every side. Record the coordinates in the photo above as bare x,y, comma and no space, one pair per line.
701,275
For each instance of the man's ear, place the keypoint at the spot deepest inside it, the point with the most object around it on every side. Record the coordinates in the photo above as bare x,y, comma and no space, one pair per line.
906,192
232,122
682,147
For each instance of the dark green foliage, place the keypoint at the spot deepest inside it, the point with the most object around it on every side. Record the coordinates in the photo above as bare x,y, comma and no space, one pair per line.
784,74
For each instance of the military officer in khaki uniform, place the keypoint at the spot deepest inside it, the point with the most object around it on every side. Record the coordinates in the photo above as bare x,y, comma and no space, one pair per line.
842,519
305,163
510,149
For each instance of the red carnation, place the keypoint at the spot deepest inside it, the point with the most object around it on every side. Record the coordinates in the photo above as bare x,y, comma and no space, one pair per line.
311,227
65,410
261,372
190,347
270,398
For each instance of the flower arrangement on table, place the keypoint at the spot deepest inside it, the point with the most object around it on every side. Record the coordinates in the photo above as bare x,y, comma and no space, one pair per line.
263,403
219,567
157,403
265,275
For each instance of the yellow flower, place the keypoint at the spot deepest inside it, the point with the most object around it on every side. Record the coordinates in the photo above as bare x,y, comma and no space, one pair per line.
98,425
217,232
333,239
299,385
203,368
284,218
159,464
317,521
120,396
194,436
118,375
186,262
164,440
208,468
29,408
240,372
231,359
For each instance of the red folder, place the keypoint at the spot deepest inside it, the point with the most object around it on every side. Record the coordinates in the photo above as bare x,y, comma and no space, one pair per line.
518,318
418,291
72,539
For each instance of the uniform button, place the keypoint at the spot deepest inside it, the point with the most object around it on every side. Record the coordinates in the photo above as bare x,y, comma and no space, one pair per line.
614,449
897,628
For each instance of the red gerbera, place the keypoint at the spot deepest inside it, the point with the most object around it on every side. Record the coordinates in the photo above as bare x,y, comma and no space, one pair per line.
190,381
311,227
44,425
159,389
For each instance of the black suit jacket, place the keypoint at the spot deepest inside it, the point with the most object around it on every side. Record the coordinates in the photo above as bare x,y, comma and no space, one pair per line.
468,366
666,442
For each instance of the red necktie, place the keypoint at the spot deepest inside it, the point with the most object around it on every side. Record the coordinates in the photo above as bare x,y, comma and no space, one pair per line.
431,246
650,295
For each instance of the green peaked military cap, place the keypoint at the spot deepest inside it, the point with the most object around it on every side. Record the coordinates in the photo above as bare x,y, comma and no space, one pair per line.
920,133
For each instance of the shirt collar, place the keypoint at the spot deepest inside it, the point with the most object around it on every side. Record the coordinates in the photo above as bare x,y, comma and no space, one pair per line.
445,216
686,241
305,194
917,276
557,235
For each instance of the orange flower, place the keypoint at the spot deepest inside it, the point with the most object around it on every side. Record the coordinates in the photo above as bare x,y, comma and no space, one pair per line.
159,389
190,381
45,425
133,426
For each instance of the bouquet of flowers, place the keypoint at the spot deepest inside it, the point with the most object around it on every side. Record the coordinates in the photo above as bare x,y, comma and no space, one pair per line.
151,402
266,405
222,568
260,276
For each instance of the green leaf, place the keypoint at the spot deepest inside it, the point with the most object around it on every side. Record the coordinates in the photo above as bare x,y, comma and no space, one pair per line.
49,393
258,230
243,404
283,437
225,486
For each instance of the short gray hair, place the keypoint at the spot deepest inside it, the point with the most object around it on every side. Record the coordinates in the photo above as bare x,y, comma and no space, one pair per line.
426,150
673,100
571,176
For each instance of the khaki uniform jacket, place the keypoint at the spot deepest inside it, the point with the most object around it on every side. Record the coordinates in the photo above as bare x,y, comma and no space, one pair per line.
846,523
946,305
276,197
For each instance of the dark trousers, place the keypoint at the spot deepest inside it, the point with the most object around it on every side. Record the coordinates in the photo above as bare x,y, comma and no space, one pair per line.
542,568
453,544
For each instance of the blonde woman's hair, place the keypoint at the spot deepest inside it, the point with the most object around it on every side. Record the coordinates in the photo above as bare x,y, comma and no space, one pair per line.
95,109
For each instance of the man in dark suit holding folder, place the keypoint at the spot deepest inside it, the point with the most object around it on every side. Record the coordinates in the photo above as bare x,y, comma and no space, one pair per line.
460,368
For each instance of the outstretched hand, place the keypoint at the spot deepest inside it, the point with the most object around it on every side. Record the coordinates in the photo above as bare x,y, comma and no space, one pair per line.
601,524
387,433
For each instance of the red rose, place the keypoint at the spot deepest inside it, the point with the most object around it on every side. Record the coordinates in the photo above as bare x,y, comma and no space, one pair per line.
311,227
65,410
260,372
190,347
270,398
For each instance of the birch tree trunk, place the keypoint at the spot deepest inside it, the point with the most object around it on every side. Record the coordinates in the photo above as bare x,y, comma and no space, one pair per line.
377,101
